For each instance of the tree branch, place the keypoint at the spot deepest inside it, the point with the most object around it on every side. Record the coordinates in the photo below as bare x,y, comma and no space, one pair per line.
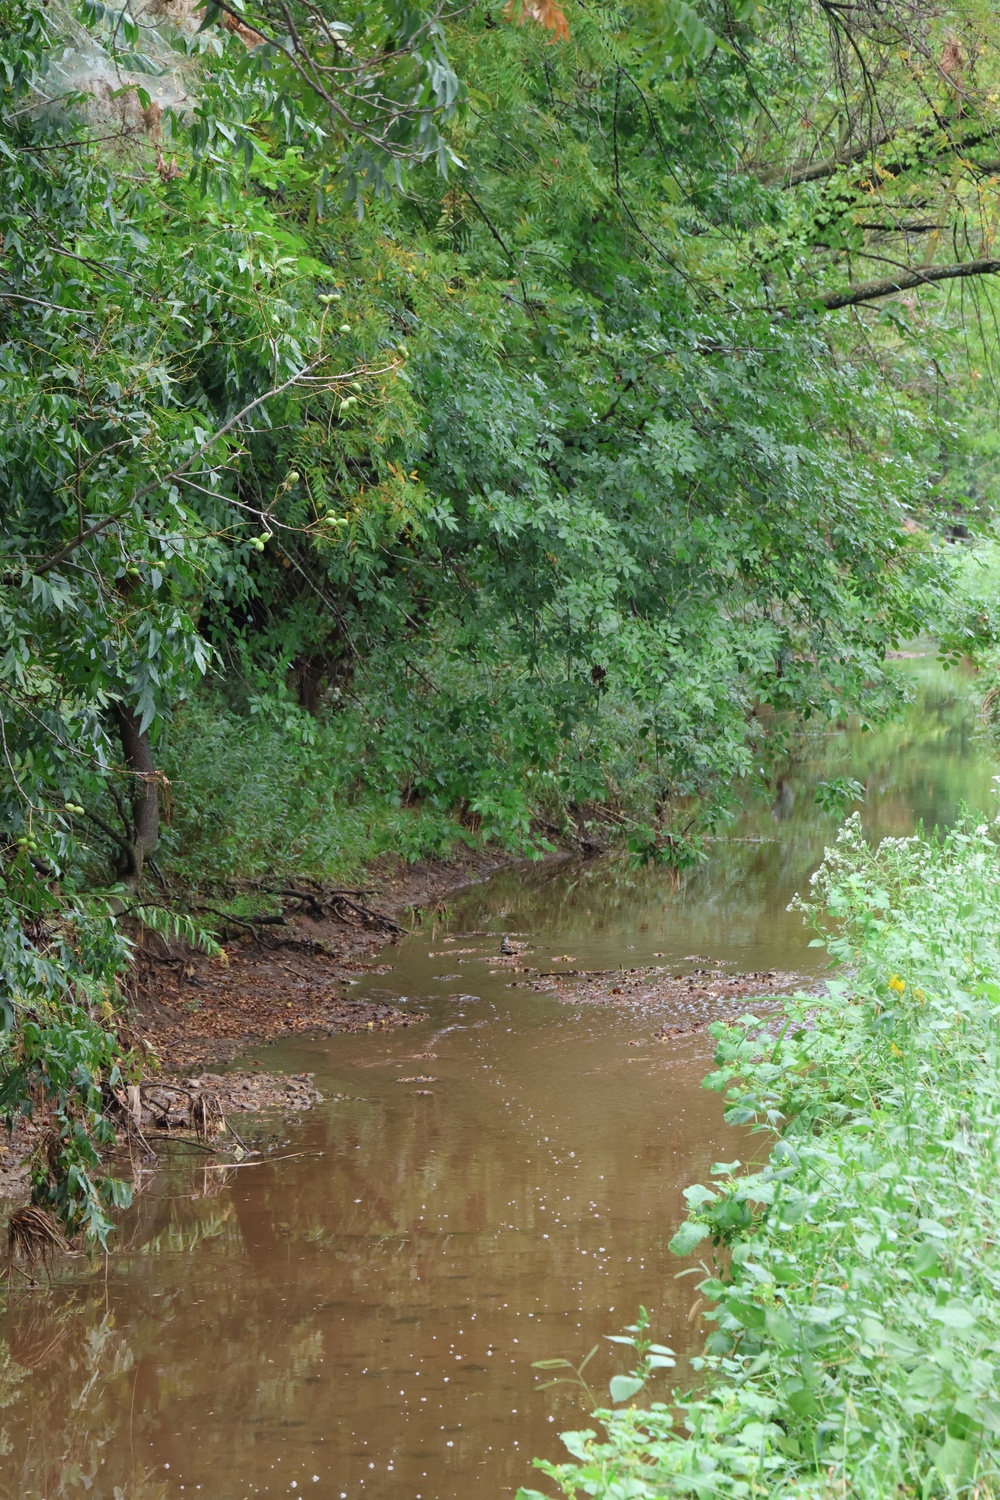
885,286
109,520
792,176
927,147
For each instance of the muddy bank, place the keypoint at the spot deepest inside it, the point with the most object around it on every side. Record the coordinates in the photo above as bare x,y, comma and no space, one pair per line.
196,1011
291,970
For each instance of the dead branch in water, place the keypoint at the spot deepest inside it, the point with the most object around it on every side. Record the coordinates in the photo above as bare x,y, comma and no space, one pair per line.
33,1234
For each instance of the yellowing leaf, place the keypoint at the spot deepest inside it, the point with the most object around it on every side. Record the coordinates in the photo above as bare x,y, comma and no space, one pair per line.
546,12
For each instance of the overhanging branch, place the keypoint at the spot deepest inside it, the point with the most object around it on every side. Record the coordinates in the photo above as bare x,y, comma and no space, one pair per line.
928,144
904,281
793,175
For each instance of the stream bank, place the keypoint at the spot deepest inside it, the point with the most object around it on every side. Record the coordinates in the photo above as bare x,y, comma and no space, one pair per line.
490,1186
293,979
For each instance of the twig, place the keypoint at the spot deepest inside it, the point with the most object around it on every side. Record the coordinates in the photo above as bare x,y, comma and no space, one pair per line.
238,1166
183,1140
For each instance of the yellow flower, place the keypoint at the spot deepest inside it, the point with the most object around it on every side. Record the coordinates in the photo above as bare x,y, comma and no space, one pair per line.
897,984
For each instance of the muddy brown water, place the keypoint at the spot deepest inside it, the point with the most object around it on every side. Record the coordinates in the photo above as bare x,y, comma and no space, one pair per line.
360,1317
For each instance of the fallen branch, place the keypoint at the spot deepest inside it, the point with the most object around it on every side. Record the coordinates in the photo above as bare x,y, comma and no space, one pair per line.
367,914
268,919
238,1166
308,897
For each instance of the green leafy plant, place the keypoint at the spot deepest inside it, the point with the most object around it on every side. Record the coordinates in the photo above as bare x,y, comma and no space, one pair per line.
836,793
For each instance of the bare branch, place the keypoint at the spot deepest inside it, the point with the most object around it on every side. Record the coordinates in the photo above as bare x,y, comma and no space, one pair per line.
869,291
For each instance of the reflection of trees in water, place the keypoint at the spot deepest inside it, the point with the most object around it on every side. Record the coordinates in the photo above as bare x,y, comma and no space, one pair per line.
263,1302
920,768
63,1364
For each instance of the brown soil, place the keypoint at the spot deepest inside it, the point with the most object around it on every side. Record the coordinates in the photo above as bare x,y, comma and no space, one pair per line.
197,1010
13,1158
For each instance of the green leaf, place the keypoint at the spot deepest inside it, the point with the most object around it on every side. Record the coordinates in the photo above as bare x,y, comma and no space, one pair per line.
688,1237
953,1315
622,1387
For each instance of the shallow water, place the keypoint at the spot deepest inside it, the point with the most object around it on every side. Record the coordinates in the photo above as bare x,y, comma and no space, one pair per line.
359,1318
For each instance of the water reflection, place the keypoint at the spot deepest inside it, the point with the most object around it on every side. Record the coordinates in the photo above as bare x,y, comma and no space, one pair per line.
360,1318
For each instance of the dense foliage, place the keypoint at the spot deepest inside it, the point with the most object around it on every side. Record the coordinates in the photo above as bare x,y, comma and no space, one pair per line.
854,1292
544,484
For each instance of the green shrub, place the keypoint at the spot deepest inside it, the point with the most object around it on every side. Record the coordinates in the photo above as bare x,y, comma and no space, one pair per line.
61,955
279,791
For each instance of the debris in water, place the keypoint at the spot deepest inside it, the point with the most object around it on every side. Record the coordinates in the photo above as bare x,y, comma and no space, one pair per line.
703,995
33,1234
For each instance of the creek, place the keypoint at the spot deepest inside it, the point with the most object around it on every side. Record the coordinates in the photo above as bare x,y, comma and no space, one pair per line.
360,1317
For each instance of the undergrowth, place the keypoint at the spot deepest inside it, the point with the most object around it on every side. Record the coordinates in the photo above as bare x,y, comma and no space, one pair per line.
854,1281
266,787
259,794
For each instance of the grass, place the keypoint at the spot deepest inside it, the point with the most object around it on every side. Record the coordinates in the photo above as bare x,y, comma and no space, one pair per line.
854,1282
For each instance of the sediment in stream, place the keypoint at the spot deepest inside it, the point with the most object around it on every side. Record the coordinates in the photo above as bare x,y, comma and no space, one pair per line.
294,979
693,1000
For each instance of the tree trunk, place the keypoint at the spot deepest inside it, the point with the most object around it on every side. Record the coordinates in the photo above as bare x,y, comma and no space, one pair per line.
315,673
145,797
